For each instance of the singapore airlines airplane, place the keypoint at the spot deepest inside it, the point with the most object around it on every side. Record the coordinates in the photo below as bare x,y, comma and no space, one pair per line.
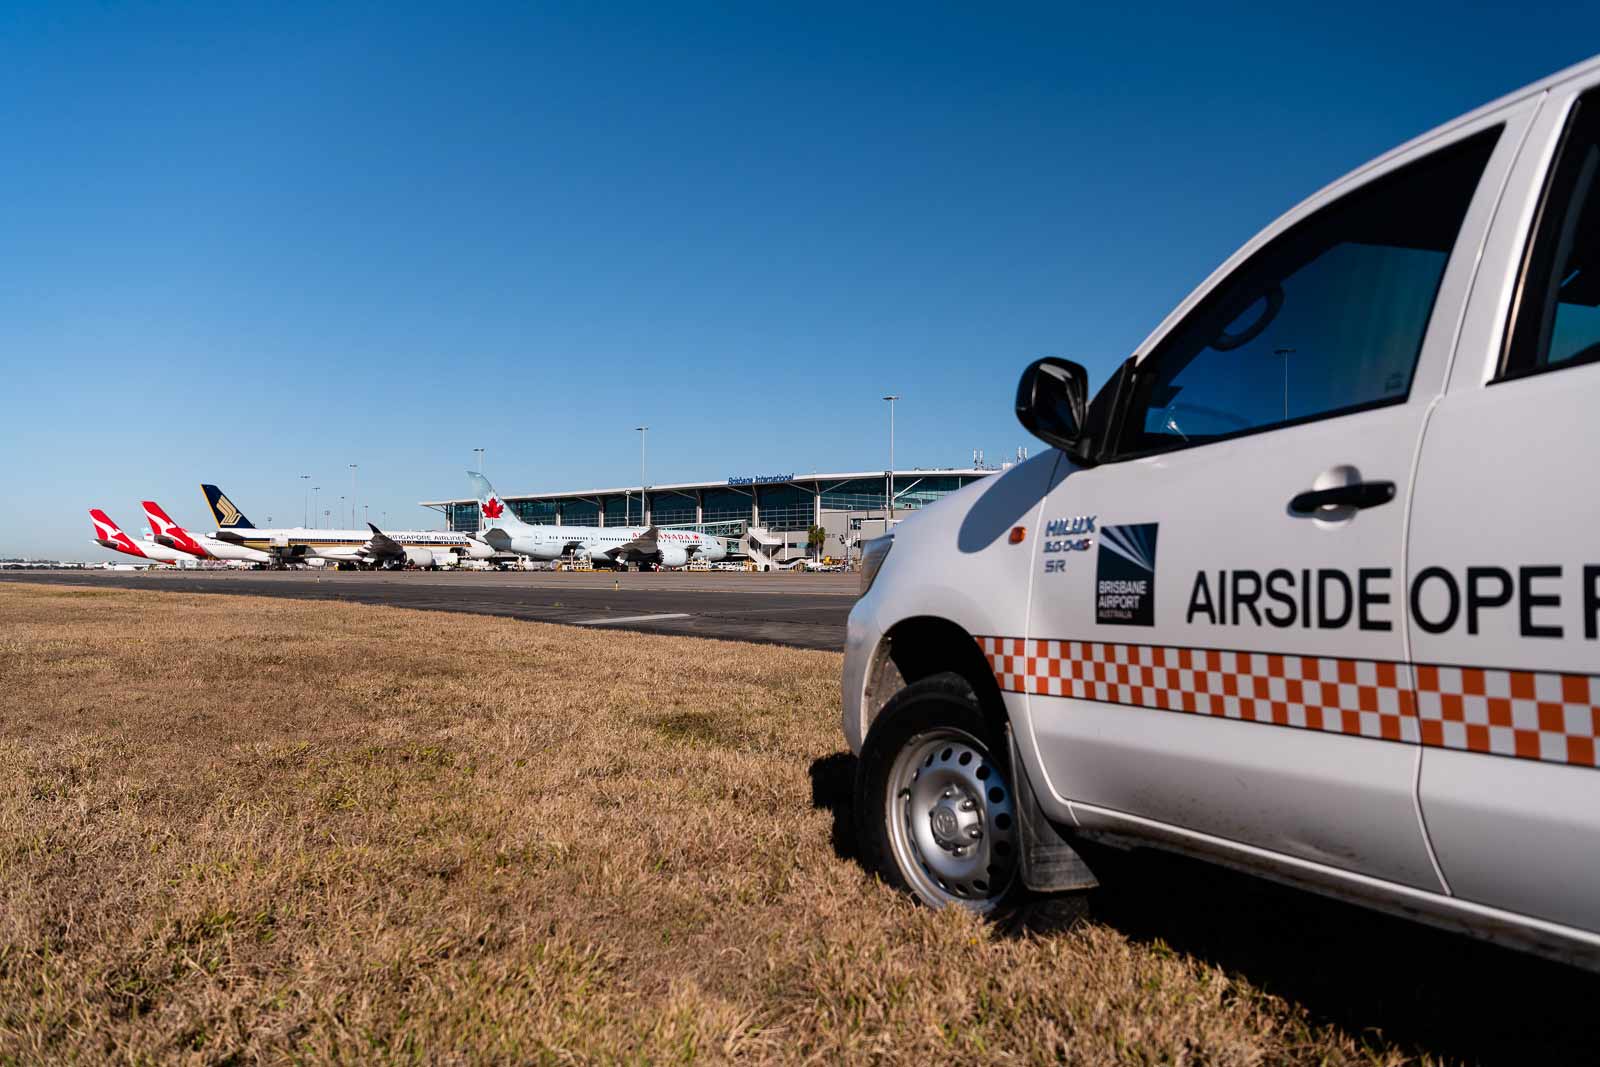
108,534
202,546
422,548
603,546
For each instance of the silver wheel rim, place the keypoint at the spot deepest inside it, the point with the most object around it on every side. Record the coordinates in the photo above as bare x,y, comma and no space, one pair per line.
952,824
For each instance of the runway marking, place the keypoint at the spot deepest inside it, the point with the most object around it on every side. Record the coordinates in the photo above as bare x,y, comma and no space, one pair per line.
631,618
765,611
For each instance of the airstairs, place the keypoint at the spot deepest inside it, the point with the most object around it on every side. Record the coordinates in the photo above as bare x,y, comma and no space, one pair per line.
759,543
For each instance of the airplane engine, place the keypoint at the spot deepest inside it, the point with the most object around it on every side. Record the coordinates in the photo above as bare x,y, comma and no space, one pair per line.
420,557
673,556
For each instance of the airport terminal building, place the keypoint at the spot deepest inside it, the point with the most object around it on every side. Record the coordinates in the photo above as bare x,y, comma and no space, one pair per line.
765,517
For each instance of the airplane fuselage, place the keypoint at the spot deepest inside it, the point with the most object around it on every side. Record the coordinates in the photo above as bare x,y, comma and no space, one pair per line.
217,548
144,548
603,544
351,546
504,531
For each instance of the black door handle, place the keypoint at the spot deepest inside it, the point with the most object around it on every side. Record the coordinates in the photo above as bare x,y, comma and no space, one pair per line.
1359,495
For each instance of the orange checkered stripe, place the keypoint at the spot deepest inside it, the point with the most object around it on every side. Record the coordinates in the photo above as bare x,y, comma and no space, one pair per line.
1543,715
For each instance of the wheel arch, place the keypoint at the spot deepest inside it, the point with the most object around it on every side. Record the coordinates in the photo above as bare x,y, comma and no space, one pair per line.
921,647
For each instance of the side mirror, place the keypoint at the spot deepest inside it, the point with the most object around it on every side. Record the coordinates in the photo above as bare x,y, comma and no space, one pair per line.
1052,400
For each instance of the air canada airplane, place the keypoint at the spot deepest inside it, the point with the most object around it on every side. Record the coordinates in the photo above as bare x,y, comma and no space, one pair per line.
202,546
369,548
603,546
108,534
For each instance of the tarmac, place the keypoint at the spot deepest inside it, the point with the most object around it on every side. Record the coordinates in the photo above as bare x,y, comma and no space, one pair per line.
790,608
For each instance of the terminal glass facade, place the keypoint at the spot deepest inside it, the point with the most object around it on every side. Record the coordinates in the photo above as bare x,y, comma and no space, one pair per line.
579,513
671,509
912,492
859,494
539,512
727,505
784,507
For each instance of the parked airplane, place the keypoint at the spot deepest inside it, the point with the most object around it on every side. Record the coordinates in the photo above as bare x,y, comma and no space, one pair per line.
108,534
423,548
166,532
604,546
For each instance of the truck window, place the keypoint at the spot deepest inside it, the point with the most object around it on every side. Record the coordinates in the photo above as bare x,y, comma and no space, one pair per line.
1557,308
1329,318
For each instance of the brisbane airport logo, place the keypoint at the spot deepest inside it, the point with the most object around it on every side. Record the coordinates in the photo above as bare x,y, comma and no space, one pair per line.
1125,578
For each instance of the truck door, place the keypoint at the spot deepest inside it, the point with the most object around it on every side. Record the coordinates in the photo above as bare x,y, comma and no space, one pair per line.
1504,556
1216,638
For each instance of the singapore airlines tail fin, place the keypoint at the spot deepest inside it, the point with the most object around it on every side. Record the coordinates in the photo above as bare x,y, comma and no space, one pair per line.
166,532
493,512
228,517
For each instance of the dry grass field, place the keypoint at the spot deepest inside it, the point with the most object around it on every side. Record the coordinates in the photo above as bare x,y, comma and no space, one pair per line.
240,830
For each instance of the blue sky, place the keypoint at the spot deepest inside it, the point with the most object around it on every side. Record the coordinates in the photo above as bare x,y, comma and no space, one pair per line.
242,243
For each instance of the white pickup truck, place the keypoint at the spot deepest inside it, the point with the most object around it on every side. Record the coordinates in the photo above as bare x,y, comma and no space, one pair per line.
1310,587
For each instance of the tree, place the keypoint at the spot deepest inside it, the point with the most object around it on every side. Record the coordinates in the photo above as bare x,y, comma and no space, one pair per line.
816,537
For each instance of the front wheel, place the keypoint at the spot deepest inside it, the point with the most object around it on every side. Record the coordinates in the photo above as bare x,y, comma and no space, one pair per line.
934,799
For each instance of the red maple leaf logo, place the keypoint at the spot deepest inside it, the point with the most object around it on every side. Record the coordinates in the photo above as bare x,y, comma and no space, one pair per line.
493,509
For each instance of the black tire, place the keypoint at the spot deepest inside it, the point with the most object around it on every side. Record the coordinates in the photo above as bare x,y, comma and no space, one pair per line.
939,717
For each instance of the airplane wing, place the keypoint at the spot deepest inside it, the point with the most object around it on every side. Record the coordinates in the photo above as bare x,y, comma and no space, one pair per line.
283,551
644,546
380,545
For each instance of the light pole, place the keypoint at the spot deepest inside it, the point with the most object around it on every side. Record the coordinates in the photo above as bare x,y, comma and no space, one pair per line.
352,494
315,489
341,510
889,480
305,499
642,498
479,452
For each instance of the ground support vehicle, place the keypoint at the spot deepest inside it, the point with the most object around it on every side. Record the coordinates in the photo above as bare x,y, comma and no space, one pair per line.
1311,587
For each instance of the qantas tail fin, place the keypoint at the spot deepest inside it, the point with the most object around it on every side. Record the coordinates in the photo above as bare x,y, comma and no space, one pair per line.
492,511
228,517
109,535
166,532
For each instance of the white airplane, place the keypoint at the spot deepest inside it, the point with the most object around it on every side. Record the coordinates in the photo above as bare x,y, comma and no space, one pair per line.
108,534
203,546
422,548
603,546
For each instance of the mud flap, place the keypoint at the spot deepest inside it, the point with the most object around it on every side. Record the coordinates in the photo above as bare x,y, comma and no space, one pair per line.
1049,863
